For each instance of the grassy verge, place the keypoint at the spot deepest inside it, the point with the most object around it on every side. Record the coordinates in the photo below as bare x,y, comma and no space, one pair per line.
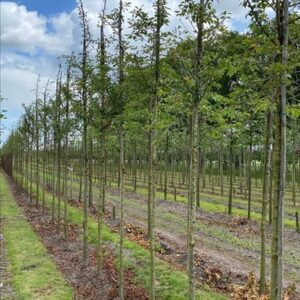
214,207
170,283
34,275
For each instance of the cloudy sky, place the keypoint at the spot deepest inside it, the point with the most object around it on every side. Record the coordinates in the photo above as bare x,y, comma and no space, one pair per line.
35,32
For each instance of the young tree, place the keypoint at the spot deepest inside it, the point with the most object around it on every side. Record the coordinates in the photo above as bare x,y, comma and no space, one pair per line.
197,13
84,98
282,11
160,20
266,184
280,43
101,86
37,139
121,97
67,128
45,135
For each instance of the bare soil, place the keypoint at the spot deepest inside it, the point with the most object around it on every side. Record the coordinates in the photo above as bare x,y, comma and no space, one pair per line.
227,258
67,255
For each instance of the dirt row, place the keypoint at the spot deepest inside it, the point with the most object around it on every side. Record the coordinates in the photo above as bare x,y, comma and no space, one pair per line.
237,256
229,256
67,255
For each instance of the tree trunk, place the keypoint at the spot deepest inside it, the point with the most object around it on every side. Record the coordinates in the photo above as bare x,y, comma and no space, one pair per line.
249,176
135,167
122,150
166,168
221,168
230,174
37,170
294,128
191,217
90,172
84,98
266,183
279,158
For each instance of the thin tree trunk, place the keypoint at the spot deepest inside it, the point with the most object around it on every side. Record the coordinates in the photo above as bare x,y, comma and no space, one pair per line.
166,168
122,171
222,168
44,145
135,167
240,173
230,174
249,176
122,150
90,172
37,171
101,202
191,217
294,163
84,97
279,158
266,183
198,174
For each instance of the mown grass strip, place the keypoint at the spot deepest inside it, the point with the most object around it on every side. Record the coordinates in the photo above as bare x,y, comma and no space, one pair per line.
34,275
214,207
170,282
208,203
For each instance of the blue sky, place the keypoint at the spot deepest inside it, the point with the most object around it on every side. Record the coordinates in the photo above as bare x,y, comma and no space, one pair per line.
48,7
35,32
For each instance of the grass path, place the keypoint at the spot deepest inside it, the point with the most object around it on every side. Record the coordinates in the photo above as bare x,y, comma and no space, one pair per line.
34,275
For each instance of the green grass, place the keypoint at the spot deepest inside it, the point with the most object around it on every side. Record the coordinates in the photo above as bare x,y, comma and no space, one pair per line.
214,207
34,275
170,282
208,204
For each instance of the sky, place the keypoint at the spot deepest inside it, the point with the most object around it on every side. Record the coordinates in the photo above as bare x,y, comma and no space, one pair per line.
34,33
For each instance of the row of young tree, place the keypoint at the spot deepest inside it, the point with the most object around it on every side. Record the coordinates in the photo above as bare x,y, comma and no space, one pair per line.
179,111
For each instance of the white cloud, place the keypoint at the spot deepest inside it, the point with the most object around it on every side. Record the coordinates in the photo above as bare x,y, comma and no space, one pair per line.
61,41
27,31
46,65
20,28
18,84
234,7
17,88
30,44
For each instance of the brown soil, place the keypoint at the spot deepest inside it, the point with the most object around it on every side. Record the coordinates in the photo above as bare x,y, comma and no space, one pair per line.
221,266
67,255
232,262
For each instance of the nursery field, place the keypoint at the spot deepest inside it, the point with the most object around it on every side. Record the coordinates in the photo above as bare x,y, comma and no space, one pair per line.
158,154
227,248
